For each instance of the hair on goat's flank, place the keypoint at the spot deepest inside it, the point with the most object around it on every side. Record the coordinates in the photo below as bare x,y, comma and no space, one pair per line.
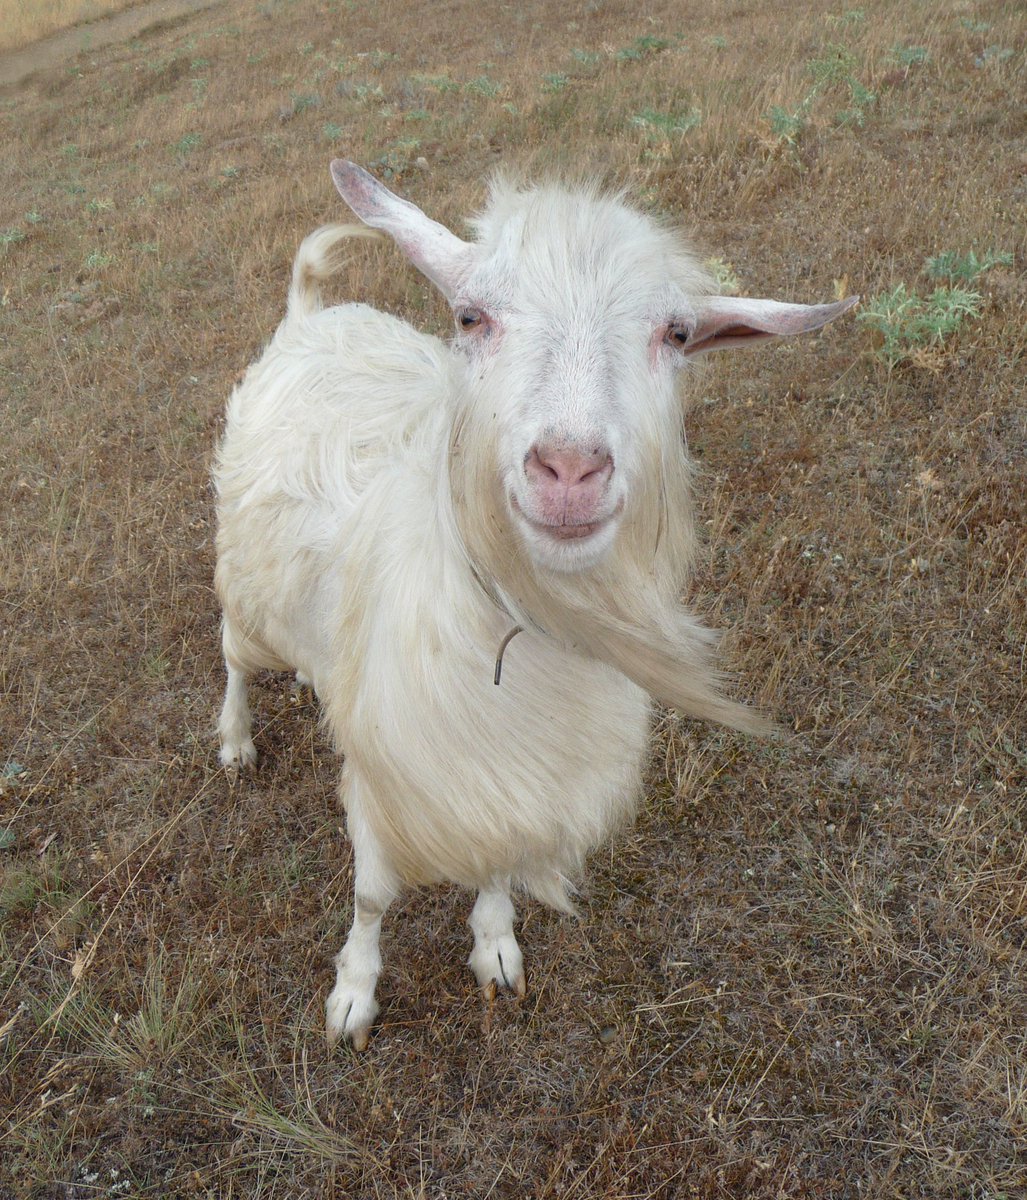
392,507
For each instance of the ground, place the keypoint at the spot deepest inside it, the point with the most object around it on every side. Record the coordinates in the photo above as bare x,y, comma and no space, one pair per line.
802,972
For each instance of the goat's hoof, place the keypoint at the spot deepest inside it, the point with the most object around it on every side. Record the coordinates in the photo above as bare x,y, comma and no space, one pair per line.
238,759
350,1013
498,963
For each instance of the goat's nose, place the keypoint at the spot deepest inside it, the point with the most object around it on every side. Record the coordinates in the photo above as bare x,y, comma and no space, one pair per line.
568,466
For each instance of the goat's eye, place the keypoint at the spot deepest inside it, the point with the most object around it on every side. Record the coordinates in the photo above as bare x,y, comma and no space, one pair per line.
470,319
677,335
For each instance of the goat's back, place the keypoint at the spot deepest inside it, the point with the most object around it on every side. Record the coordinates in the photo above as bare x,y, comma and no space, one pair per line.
337,398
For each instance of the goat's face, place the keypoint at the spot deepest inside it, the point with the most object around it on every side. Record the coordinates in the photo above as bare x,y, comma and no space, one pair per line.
574,313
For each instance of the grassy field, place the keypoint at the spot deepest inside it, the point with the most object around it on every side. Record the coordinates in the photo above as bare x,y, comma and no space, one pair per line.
23,21
803,973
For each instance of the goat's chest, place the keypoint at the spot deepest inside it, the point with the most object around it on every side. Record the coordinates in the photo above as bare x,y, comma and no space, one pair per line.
470,781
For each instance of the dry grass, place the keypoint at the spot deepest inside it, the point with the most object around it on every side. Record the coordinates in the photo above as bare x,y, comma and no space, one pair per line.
23,21
802,974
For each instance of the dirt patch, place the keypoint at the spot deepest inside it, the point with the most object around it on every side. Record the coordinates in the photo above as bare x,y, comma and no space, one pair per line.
19,66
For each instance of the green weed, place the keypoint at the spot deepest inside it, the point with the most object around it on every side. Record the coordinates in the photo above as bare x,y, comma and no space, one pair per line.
305,103
667,123
965,268
96,260
728,283
786,126
483,86
186,144
851,16
836,67
834,70
909,56
993,54
642,47
908,323
586,58
437,83
396,159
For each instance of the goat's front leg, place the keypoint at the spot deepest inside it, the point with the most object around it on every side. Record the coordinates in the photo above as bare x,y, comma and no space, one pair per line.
352,1007
496,959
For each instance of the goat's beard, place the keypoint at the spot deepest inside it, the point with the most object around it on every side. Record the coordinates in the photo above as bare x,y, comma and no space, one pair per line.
627,610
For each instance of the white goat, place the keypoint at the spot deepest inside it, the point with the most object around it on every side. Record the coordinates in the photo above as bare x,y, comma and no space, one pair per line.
391,506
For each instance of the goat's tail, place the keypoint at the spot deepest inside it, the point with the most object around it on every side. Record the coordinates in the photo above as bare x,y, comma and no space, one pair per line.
319,257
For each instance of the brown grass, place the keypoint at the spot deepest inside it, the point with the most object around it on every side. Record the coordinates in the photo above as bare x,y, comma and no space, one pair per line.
802,974
24,21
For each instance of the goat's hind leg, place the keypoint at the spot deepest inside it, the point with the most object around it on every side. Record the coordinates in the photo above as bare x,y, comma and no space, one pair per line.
235,724
496,959
352,1006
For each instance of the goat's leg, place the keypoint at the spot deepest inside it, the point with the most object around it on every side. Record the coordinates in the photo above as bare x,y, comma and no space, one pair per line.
235,723
351,1006
496,958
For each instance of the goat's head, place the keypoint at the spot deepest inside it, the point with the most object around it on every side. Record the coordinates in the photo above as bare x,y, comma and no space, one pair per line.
574,313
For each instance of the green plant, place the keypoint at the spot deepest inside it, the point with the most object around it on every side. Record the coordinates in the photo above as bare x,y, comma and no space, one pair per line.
438,83
305,103
666,123
187,143
396,158
861,99
851,16
785,125
641,47
727,281
993,54
483,86
966,267
909,56
836,67
586,58
831,71
908,323
555,82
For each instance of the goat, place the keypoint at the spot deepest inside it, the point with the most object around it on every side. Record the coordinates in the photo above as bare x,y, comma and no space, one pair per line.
390,506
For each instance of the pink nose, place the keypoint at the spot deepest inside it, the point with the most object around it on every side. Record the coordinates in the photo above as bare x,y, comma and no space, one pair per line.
568,483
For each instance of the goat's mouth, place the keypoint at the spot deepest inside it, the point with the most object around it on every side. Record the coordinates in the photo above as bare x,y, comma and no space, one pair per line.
568,532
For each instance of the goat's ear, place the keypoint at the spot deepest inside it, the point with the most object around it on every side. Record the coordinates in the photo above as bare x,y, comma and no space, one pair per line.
433,250
728,321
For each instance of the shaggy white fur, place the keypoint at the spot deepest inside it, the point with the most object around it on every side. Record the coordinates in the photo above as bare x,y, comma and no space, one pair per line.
390,506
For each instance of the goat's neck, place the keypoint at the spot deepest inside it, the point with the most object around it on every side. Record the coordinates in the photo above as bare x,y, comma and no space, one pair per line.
626,612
